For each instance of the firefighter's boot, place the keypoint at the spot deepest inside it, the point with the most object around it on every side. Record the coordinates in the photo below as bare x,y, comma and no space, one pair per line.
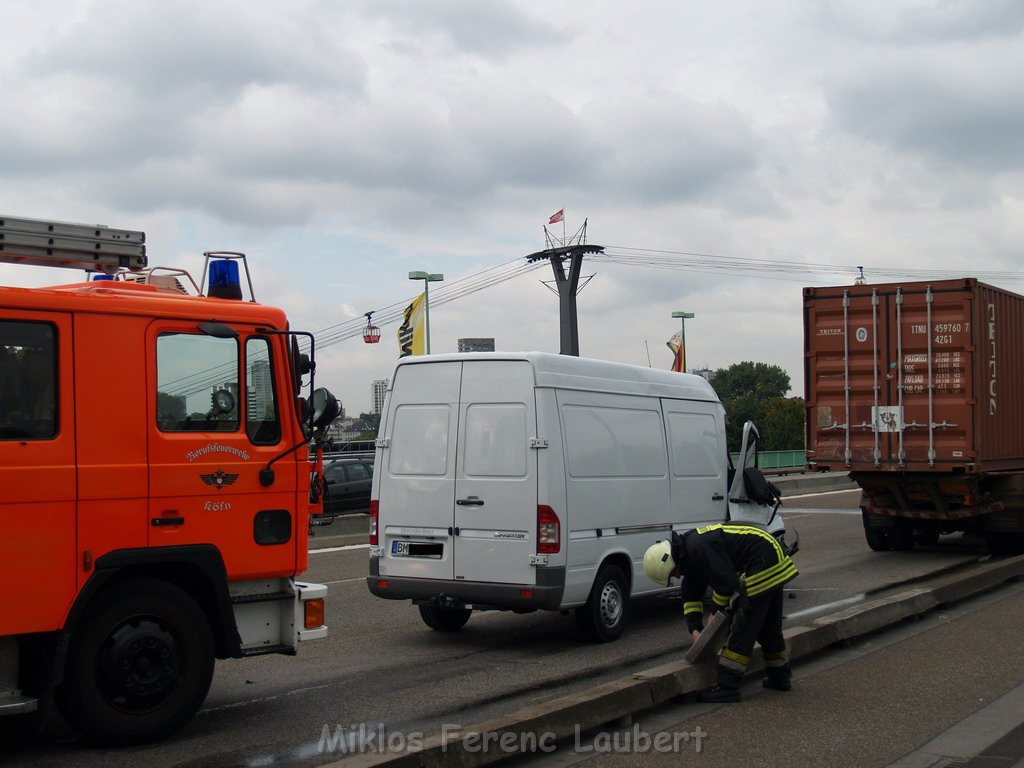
778,678
726,692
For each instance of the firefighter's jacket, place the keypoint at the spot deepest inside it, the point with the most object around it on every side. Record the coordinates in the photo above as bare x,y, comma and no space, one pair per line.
717,556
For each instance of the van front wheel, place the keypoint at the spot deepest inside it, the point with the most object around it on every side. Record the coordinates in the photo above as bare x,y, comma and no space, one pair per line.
603,618
444,619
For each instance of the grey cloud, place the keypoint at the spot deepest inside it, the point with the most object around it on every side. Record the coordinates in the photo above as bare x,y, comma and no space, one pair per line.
915,24
960,20
947,108
491,30
662,148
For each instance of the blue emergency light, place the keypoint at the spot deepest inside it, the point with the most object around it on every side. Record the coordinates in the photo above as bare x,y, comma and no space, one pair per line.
224,280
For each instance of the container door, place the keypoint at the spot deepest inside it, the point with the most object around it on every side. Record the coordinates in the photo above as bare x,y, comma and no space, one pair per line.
37,472
416,472
496,473
215,423
927,417
888,376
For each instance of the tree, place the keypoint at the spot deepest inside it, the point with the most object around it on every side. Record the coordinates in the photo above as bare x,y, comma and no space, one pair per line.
759,380
757,392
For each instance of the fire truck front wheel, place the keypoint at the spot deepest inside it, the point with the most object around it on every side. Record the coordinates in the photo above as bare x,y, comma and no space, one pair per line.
139,665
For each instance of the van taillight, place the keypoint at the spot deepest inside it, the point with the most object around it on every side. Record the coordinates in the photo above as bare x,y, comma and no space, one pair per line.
374,511
549,539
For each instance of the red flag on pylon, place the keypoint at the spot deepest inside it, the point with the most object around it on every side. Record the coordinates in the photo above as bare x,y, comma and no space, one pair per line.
557,217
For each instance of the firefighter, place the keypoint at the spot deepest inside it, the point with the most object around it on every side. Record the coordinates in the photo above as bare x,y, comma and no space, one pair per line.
732,560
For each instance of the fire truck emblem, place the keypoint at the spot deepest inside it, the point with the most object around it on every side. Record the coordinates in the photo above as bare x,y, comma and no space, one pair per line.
219,479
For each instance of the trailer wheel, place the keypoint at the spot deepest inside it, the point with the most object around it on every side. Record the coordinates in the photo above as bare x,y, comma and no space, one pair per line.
444,619
603,618
877,538
901,535
139,666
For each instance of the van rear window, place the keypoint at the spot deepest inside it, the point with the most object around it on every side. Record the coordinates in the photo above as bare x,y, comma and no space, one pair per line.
419,441
496,442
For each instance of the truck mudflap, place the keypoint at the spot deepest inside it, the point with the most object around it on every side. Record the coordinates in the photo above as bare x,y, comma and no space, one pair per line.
545,594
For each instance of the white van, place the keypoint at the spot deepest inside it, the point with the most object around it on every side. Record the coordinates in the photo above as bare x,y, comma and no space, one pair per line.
525,481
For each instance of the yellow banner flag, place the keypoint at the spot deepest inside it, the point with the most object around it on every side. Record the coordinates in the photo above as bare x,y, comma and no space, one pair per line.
411,334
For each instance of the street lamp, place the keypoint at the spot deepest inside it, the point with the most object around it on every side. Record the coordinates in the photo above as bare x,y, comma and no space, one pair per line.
427,279
683,317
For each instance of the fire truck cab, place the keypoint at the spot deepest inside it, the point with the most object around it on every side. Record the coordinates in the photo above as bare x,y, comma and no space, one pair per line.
155,484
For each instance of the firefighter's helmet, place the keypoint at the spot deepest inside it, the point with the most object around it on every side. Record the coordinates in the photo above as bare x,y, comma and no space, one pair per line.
658,563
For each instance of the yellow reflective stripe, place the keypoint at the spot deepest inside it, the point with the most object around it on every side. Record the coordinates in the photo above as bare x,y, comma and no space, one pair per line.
771,577
693,607
779,580
783,654
719,600
739,658
706,528
751,531
768,573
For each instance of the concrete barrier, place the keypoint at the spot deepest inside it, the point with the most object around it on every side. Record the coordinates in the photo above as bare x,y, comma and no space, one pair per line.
563,717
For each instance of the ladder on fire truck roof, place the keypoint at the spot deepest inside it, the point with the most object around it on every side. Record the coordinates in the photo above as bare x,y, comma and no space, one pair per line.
94,248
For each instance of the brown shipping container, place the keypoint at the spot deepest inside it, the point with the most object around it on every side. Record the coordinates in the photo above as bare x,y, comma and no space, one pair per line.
914,377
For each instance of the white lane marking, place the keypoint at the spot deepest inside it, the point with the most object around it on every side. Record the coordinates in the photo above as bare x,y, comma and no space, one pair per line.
816,493
826,607
259,699
338,549
794,512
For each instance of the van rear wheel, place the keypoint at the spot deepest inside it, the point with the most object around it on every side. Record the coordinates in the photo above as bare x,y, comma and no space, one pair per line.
444,619
603,618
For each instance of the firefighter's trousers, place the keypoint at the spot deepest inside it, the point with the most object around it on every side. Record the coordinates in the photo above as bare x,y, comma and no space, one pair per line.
761,622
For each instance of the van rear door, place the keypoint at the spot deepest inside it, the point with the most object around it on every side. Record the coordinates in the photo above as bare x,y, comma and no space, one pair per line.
496,473
416,473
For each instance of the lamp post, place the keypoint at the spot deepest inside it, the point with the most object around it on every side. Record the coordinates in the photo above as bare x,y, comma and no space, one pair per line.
683,317
427,279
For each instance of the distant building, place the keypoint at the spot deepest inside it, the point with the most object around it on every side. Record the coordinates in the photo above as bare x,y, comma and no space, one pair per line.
476,345
379,389
705,373
261,390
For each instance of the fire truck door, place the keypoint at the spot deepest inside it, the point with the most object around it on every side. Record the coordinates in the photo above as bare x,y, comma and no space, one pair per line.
217,422
37,471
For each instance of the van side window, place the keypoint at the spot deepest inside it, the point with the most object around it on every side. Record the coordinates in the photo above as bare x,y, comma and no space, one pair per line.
695,444
197,383
28,380
261,421
615,442
496,441
420,440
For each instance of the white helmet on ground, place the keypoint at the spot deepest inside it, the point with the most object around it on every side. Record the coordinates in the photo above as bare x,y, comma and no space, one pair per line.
658,563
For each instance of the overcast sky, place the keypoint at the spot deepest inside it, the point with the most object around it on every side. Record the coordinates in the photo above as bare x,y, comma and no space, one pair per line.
342,144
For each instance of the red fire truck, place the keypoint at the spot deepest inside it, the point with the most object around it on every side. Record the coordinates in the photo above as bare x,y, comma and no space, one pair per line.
155,482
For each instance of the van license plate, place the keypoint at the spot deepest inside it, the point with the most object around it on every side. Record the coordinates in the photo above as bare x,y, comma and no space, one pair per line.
417,549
